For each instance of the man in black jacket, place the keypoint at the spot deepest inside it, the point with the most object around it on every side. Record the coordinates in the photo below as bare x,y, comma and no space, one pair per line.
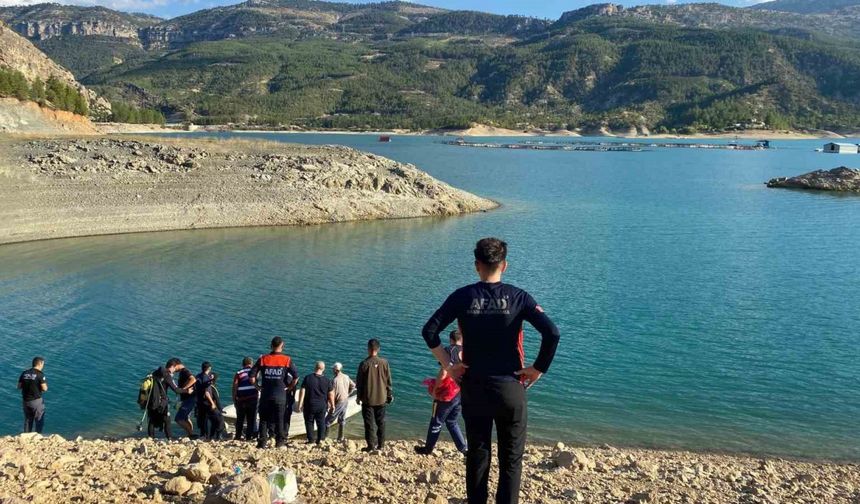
490,315
373,385
158,405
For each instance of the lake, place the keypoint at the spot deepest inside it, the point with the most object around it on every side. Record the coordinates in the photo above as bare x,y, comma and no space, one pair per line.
698,309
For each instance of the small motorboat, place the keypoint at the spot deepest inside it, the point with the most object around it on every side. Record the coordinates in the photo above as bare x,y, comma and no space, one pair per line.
384,138
297,426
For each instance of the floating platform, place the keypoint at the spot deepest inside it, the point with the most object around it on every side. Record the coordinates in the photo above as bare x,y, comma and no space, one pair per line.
584,147
758,145
587,146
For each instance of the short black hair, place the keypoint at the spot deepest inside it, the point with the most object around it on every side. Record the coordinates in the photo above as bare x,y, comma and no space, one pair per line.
206,365
247,361
37,361
277,341
373,344
491,251
213,378
456,335
173,362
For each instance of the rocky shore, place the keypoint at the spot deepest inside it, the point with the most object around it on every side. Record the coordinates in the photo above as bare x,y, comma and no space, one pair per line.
54,188
840,179
54,470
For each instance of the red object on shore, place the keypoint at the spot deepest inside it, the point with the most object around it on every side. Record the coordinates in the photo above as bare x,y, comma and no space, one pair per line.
446,391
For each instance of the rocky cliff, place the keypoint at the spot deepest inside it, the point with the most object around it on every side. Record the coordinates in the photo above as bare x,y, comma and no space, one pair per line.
44,21
18,53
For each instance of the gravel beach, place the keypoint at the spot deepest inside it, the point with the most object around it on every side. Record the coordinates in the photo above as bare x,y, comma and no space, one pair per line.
53,470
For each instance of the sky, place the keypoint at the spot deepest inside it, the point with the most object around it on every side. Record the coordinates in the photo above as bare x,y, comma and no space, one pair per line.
550,9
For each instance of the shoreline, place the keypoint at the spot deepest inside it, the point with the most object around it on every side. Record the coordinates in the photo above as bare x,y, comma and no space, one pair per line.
65,187
489,131
52,470
501,132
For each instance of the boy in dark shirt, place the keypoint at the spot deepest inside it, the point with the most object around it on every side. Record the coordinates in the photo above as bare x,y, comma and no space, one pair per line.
32,384
187,401
316,398
213,421
490,315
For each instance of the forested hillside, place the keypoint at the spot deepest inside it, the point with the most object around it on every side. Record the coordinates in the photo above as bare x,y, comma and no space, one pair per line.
807,6
396,64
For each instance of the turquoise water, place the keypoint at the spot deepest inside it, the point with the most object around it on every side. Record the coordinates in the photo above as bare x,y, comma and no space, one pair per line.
698,308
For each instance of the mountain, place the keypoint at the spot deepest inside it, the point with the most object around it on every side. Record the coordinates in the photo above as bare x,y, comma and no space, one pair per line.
808,6
48,20
291,18
398,64
19,55
722,17
38,95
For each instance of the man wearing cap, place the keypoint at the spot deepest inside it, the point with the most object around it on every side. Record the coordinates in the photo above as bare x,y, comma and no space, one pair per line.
343,386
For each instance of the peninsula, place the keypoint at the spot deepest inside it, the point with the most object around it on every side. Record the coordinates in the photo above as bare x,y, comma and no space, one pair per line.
58,187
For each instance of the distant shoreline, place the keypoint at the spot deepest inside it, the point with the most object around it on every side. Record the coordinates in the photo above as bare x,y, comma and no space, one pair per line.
489,131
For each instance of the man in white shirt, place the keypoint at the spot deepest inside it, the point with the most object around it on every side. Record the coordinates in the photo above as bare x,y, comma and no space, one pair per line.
343,386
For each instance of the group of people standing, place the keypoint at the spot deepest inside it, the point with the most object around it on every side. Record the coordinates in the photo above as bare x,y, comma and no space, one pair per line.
482,371
197,393
267,389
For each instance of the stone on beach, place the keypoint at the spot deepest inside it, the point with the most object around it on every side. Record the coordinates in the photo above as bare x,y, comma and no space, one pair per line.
178,485
241,489
198,472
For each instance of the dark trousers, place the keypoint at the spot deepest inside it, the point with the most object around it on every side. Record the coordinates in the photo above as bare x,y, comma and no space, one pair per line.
445,414
487,401
315,417
288,412
34,415
246,415
271,413
158,421
209,421
374,425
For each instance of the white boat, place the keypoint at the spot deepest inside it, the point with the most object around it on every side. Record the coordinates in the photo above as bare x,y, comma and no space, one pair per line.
297,423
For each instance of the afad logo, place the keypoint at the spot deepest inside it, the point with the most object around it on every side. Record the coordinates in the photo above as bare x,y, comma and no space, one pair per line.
489,305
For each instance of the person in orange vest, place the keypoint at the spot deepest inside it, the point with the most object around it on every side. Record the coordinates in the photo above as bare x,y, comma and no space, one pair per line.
275,373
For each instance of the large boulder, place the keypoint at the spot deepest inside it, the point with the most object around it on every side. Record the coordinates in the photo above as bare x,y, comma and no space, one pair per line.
177,486
198,472
201,454
241,489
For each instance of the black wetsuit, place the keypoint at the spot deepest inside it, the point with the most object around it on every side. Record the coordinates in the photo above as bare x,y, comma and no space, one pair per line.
490,317
158,407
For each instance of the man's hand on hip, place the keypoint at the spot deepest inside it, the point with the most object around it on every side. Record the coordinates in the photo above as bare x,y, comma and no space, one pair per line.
529,376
